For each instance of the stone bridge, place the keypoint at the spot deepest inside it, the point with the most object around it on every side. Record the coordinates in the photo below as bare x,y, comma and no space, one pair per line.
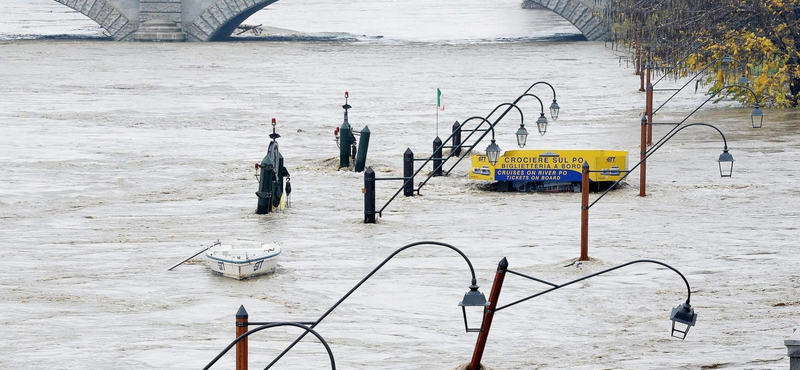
214,20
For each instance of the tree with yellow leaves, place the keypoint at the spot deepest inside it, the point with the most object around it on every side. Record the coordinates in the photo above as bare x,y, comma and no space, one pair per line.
760,37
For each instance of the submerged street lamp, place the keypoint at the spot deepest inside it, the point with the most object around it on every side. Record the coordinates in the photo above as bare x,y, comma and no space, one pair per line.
757,116
473,298
541,124
756,119
522,135
725,170
493,152
554,108
725,163
727,59
744,80
683,316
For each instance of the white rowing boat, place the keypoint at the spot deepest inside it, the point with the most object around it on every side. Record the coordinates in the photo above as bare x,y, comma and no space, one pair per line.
243,262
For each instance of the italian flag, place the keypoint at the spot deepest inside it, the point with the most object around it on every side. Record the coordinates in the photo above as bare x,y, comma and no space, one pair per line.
439,103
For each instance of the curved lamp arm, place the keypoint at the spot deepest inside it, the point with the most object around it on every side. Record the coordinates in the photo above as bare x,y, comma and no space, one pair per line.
483,120
421,167
689,55
540,82
471,269
491,128
708,65
274,325
655,147
688,82
688,289
701,105
537,98
511,105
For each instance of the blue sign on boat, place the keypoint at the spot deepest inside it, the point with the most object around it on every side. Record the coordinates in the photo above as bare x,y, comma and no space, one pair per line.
536,175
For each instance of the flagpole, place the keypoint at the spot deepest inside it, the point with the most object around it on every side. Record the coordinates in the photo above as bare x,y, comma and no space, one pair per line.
437,116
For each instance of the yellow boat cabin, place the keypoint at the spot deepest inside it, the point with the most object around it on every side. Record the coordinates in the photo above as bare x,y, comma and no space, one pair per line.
551,170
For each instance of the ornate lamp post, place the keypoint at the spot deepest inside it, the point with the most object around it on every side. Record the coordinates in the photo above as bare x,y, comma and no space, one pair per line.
493,150
649,111
725,165
472,299
756,118
683,316
554,107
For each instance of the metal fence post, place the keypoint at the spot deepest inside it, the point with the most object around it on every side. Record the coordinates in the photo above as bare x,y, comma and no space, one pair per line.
345,131
488,314
369,196
585,212
437,156
241,347
456,139
408,171
363,145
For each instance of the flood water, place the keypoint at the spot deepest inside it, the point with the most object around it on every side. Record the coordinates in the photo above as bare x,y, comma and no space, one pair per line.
121,159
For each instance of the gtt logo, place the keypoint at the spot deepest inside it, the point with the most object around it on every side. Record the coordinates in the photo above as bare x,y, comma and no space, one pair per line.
611,159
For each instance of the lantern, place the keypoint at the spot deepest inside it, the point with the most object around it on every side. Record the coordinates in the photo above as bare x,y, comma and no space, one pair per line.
522,136
725,164
477,301
541,124
684,316
493,152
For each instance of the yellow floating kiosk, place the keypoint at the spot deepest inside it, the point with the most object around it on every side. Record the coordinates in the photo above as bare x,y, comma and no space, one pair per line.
551,170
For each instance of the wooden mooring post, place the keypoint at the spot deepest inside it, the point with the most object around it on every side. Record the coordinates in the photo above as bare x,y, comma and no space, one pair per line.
241,347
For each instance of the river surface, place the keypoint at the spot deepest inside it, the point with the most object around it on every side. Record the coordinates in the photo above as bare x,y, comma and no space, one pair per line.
121,159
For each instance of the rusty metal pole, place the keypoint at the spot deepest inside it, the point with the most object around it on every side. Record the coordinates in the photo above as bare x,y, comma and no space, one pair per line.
643,154
241,347
475,364
640,64
649,108
585,212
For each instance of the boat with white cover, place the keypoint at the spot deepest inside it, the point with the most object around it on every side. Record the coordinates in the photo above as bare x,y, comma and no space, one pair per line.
245,261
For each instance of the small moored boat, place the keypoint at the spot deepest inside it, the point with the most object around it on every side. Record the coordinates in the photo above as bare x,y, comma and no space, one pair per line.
243,262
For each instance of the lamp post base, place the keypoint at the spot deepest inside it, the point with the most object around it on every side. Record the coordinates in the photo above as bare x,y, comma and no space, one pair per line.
466,367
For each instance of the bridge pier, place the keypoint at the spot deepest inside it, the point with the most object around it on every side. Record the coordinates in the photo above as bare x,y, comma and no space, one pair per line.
159,20
163,30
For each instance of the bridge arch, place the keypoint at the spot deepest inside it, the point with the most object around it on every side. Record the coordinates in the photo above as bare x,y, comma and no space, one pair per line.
585,15
119,26
219,20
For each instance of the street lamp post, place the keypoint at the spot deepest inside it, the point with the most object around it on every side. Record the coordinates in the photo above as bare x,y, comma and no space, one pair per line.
725,170
649,111
756,118
683,316
493,150
541,122
473,299
488,315
554,107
